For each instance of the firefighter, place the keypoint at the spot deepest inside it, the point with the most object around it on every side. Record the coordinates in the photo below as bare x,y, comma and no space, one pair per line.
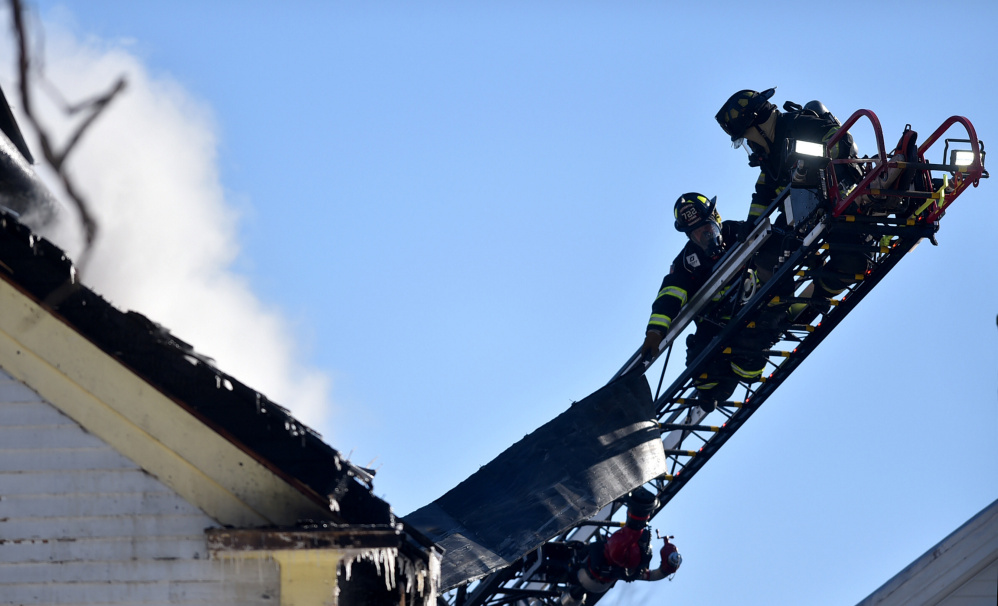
764,131
753,122
709,237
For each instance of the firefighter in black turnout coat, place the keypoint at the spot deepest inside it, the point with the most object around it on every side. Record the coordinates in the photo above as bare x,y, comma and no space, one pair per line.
753,122
709,237
767,133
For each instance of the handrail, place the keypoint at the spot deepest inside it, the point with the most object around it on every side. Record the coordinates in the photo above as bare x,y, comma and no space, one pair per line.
880,162
962,179
859,113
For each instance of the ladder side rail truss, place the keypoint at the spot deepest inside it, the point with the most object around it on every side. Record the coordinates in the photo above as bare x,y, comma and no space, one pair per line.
738,322
713,437
527,582
694,460
490,589
537,589
912,233
672,403
906,237
495,589
729,269
670,407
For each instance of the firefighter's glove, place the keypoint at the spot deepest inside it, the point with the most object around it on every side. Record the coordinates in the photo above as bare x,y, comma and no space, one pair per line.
649,348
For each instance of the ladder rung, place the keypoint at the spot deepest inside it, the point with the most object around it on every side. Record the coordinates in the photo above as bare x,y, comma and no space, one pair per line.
854,248
821,273
901,193
690,402
744,351
682,427
681,453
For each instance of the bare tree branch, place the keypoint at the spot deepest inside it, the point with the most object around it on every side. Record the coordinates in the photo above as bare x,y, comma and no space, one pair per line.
57,159
98,106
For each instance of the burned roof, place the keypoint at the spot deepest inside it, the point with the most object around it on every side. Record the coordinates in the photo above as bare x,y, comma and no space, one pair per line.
242,415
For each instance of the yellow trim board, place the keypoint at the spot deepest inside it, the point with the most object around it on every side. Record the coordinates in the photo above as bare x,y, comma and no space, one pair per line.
308,576
113,403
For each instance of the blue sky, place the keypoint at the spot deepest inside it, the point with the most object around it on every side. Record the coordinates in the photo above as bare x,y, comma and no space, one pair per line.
457,216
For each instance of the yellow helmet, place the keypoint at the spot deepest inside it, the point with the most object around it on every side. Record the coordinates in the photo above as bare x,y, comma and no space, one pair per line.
742,110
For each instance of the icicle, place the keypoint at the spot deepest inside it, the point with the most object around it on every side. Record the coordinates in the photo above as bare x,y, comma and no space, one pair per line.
390,560
347,566
420,578
417,577
384,555
433,577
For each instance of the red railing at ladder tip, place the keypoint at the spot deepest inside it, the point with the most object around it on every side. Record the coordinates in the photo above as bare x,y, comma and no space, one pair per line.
961,179
880,162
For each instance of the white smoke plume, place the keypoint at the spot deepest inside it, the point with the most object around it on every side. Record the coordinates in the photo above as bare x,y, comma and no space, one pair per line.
167,236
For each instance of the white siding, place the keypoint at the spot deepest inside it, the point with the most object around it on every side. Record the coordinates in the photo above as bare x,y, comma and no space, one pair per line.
82,524
980,590
960,570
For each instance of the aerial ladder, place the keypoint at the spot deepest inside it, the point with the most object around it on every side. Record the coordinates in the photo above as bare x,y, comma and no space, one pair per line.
897,204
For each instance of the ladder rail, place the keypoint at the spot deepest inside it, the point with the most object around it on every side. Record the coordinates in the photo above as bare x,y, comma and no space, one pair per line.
671,409
529,581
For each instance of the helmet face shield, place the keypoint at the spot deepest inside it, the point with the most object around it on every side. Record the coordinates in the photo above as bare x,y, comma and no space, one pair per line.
697,217
708,238
743,143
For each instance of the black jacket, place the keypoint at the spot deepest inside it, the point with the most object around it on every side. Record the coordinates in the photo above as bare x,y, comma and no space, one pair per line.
691,269
776,167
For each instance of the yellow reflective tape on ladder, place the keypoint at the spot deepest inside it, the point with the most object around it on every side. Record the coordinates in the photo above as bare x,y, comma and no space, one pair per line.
939,194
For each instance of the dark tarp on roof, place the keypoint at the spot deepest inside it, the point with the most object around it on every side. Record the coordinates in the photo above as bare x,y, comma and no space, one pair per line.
561,474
